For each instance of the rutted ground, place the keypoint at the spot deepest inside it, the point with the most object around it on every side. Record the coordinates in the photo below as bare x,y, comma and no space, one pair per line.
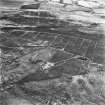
53,54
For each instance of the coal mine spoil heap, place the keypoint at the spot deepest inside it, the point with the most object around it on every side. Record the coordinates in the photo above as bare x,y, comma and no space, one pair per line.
52,54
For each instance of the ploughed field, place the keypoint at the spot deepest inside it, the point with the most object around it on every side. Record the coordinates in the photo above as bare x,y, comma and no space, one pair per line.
42,54
33,24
